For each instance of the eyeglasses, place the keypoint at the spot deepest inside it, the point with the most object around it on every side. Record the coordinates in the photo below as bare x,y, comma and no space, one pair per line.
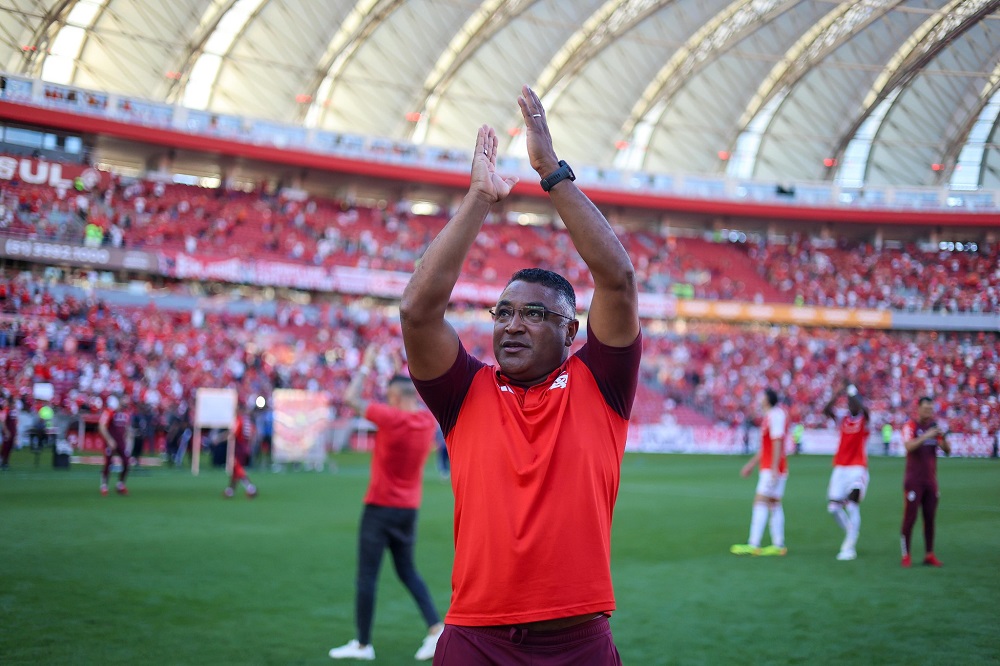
530,314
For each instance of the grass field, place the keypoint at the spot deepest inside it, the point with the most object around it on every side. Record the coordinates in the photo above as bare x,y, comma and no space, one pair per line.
175,574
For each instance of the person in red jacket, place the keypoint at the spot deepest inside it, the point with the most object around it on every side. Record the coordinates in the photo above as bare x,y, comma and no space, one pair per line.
403,440
922,438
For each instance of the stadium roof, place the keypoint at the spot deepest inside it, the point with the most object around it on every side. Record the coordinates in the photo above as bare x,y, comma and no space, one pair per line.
884,92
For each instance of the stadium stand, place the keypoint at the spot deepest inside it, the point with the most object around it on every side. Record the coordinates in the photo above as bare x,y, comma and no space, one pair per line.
325,232
712,373
696,373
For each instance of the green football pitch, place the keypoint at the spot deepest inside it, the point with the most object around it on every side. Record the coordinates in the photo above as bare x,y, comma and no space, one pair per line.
175,574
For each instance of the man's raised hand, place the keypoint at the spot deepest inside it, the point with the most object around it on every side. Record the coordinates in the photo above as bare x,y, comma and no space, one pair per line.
486,182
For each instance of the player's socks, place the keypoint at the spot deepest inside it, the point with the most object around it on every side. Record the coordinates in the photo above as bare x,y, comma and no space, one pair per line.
777,525
853,510
758,520
104,489
839,514
932,561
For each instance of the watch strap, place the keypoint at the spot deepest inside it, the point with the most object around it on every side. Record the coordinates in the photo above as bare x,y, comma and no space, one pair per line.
564,172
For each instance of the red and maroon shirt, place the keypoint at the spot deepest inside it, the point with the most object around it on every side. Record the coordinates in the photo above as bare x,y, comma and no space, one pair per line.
921,463
535,472
402,443
852,449
117,423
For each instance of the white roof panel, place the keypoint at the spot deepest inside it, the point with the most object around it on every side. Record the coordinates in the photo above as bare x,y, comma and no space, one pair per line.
676,81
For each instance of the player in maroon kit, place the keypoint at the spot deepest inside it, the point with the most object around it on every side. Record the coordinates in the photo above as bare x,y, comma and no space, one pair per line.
113,426
8,428
243,433
921,438
849,480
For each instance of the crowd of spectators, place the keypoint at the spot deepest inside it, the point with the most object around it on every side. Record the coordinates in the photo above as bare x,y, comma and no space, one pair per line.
169,217
89,350
723,368
853,274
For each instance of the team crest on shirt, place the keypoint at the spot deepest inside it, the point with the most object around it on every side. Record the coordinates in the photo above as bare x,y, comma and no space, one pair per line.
560,382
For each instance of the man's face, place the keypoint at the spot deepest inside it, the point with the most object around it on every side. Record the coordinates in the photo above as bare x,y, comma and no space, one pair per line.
393,395
527,352
925,411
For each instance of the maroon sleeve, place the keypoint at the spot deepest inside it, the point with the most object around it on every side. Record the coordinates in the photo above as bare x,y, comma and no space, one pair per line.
616,370
444,396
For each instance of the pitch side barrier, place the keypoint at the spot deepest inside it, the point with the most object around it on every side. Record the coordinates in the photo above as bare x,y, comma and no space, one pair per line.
722,440
941,321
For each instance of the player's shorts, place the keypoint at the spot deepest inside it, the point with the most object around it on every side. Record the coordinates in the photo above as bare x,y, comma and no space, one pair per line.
846,478
587,643
771,485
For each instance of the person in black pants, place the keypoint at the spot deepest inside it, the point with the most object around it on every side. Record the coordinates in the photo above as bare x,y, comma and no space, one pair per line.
403,441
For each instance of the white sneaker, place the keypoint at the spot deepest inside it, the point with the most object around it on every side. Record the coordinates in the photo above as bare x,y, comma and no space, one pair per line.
847,554
427,648
353,650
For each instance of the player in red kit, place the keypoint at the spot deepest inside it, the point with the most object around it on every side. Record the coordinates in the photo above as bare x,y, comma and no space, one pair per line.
113,426
243,434
773,462
922,438
849,480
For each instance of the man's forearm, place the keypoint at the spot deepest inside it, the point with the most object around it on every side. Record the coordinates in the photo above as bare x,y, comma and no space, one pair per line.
592,236
352,396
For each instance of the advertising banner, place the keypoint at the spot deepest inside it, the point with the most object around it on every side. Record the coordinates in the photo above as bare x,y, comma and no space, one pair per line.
51,252
302,425
60,175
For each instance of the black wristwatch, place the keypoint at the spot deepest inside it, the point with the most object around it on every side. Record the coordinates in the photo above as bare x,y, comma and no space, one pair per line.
559,175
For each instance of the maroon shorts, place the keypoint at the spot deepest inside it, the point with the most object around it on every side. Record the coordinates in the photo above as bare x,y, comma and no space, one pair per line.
587,644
